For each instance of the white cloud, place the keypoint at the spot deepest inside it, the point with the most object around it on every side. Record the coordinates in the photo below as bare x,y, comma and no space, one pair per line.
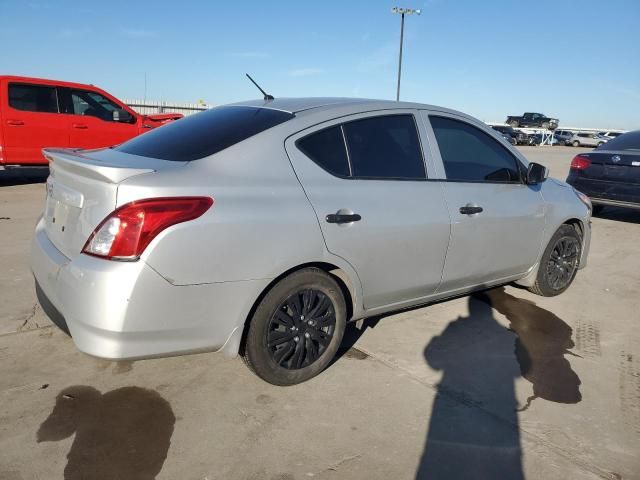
138,33
305,72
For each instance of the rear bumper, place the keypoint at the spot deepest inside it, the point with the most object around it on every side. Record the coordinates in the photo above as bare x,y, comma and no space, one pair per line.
126,310
607,192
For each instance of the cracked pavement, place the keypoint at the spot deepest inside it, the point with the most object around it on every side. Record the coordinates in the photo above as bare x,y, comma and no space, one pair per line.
435,392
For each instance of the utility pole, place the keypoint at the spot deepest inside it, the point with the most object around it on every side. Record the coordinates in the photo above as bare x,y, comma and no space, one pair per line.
402,12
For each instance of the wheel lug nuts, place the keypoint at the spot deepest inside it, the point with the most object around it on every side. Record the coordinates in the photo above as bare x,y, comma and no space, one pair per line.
295,339
306,335
310,322
301,317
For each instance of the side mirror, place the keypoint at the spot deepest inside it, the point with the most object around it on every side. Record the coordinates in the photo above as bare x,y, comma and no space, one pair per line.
536,173
122,116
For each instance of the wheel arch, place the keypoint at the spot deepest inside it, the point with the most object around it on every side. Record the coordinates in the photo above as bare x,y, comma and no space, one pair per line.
233,348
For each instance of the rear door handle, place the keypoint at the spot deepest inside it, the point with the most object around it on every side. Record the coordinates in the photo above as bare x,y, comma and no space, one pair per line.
15,122
343,217
81,126
470,209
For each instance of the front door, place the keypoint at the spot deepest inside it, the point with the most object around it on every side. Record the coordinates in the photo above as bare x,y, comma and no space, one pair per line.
497,221
365,178
31,122
91,120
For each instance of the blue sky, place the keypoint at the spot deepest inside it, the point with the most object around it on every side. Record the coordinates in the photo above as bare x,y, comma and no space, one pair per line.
575,60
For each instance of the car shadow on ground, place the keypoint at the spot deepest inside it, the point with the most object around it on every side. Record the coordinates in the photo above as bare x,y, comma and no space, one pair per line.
16,177
617,214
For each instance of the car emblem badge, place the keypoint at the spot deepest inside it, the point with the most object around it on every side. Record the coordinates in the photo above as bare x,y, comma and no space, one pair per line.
615,158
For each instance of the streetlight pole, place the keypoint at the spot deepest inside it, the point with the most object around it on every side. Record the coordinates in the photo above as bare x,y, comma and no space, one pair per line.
402,12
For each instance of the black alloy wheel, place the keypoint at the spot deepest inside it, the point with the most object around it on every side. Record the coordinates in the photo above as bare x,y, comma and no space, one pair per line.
563,262
301,329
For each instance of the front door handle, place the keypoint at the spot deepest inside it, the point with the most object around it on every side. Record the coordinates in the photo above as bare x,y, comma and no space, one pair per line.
81,126
343,217
15,122
470,209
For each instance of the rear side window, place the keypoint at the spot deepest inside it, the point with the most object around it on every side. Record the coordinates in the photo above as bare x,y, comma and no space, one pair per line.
327,149
471,155
33,98
384,147
204,134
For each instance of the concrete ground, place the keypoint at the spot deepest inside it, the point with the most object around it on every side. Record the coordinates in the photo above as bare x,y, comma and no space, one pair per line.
501,385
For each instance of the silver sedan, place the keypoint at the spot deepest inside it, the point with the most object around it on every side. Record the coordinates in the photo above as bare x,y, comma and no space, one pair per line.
263,227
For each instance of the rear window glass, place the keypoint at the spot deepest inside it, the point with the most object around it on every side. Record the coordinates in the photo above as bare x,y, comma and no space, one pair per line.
204,134
626,141
33,98
327,149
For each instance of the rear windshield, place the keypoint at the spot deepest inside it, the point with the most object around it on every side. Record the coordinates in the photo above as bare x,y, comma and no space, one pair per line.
204,134
626,141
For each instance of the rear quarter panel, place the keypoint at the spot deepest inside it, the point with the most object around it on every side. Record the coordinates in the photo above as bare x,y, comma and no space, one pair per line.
261,223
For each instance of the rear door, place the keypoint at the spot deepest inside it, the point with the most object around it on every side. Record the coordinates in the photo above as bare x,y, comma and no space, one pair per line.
365,177
91,120
497,221
31,122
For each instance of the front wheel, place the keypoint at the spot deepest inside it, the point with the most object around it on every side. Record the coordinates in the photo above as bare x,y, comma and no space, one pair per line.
297,328
576,143
559,263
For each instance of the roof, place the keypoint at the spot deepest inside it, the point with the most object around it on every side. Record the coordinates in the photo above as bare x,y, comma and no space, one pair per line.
296,105
17,78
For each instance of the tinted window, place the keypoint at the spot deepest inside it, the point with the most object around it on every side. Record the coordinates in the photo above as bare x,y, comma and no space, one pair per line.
92,104
33,98
204,134
469,154
327,149
384,147
626,141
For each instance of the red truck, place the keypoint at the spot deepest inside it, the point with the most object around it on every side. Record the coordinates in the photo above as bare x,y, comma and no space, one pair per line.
36,113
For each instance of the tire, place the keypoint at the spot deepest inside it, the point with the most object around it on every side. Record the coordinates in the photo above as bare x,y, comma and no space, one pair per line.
514,123
576,143
302,351
549,281
545,125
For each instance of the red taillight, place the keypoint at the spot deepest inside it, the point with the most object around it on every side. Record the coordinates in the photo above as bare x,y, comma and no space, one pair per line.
580,163
127,231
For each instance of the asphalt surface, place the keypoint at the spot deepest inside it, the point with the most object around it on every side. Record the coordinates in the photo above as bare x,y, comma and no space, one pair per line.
503,384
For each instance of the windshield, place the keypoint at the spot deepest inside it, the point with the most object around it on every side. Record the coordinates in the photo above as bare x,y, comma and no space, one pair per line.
626,141
204,134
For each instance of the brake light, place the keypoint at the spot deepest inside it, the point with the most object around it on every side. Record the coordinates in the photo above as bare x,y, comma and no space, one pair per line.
127,231
580,163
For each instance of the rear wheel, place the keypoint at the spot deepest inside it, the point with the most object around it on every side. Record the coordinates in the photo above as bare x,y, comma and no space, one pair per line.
559,263
297,328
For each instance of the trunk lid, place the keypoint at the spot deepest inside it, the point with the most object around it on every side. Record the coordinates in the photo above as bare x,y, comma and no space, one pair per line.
82,190
620,166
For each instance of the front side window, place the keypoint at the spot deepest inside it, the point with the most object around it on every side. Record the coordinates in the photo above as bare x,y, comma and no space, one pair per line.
93,104
471,155
33,98
198,136
384,147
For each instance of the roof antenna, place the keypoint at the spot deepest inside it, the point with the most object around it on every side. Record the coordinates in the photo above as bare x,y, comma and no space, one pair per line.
266,95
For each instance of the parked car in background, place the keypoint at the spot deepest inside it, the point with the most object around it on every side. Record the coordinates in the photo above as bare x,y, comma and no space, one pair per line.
583,139
519,138
263,227
563,136
37,113
530,119
610,174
